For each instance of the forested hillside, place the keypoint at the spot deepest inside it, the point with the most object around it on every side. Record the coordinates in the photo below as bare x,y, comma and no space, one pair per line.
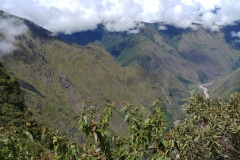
20,133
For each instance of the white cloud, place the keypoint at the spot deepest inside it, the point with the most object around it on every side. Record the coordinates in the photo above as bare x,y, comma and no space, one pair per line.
162,27
133,31
235,34
6,48
123,15
10,27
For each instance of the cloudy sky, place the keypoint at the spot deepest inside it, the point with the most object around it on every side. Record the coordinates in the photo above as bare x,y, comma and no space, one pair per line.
70,16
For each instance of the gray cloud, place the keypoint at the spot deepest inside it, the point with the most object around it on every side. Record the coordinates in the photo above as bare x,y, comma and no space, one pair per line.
123,15
10,27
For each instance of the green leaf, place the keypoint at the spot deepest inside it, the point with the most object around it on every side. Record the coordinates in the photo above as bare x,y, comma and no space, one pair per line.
155,102
15,151
126,117
71,152
29,135
85,118
123,108
80,124
197,138
147,120
106,133
43,132
55,139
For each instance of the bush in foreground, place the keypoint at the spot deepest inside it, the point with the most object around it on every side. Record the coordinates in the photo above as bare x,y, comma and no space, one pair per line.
211,130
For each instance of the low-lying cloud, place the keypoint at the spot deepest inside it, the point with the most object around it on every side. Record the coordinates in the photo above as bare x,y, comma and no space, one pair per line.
6,48
10,27
235,34
124,15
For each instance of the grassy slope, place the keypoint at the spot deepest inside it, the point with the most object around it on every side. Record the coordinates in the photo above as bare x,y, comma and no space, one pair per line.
141,50
227,85
57,78
191,56
208,52
186,54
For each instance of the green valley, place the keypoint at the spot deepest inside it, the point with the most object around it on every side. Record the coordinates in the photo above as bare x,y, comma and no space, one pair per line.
101,67
95,89
57,78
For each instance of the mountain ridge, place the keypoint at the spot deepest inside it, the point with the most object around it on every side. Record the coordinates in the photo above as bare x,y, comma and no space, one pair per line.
194,48
57,78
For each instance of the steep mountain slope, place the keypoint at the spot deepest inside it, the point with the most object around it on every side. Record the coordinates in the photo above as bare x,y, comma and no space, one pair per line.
192,56
57,78
227,85
18,128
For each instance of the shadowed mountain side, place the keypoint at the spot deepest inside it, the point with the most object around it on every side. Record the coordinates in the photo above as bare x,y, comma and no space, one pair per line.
83,38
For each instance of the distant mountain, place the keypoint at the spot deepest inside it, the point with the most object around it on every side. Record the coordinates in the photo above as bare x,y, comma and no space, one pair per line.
56,78
103,67
191,56
84,38
229,34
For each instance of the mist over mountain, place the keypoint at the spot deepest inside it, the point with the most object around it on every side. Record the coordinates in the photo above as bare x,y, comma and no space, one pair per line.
56,78
10,28
58,73
69,56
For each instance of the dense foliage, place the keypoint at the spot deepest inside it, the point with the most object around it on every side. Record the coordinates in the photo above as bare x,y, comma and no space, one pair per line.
21,136
211,130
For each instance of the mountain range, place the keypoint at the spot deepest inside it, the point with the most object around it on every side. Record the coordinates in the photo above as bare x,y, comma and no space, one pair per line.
59,73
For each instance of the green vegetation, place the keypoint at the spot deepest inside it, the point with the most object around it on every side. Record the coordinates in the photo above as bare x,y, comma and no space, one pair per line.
56,78
209,131
21,136
226,85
